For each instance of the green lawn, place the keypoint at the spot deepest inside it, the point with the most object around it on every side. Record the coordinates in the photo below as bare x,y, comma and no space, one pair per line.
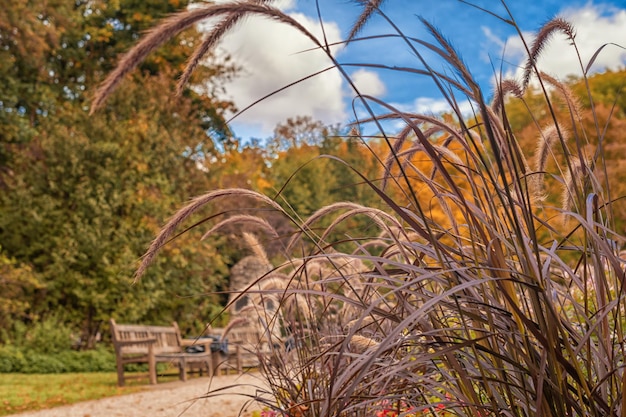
23,392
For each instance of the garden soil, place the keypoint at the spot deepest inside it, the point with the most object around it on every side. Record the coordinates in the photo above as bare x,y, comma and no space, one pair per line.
172,399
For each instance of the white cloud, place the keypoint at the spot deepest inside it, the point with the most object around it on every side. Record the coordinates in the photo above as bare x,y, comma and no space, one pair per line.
426,105
595,25
273,55
492,37
493,42
368,83
284,5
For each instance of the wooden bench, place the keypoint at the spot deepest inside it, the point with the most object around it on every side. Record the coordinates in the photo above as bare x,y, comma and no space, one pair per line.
157,344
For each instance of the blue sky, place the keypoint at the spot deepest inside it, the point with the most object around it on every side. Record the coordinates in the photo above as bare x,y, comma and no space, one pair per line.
271,54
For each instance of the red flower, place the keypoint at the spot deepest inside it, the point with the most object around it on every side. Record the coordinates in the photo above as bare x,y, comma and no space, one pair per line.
386,413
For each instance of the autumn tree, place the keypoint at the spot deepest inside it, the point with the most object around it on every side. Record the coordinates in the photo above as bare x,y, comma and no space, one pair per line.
82,197
599,135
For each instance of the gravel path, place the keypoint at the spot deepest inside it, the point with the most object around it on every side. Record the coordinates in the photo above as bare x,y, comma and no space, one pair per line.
170,400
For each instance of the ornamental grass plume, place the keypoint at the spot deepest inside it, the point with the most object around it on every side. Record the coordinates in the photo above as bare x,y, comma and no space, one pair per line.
541,40
463,292
548,137
209,42
175,24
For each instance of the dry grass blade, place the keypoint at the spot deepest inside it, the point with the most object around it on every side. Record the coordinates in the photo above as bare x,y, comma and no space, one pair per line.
239,321
175,24
401,139
255,246
592,60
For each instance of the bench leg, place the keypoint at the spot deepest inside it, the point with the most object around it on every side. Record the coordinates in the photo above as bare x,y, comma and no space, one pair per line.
183,369
209,365
215,363
152,366
239,361
120,371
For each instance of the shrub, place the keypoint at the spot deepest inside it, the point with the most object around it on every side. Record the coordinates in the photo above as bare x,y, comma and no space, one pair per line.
50,335
39,363
97,360
488,306
24,360
12,359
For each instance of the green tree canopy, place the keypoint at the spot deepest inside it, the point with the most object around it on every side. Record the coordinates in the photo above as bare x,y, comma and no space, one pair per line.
83,196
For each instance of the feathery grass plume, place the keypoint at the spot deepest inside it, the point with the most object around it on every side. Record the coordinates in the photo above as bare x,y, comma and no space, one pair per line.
547,138
255,246
216,34
370,7
354,132
275,281
454,60
573,103
504,88
543,37
573,181
361,344
175,24
184,213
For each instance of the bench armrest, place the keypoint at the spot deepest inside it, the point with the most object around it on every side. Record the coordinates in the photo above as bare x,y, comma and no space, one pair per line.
188,342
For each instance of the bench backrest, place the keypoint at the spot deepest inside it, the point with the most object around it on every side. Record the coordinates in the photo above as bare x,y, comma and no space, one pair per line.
245,336
168,339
